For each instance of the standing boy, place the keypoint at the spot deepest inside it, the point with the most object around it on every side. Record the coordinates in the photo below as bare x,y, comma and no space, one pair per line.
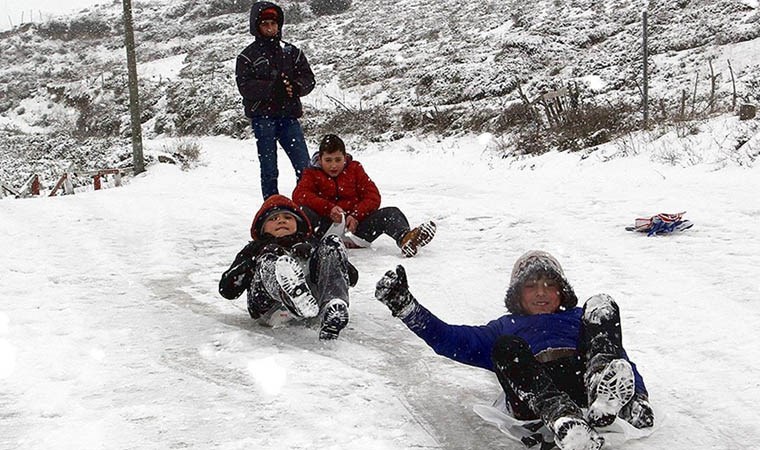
272,75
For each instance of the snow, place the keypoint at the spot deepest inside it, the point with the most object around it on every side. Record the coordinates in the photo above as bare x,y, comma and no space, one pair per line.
112,334
12,11
166,68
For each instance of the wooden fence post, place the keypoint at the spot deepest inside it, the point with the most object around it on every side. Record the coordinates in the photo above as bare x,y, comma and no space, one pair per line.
645,68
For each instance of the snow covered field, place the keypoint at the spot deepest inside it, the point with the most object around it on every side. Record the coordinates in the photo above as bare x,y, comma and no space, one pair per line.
112,334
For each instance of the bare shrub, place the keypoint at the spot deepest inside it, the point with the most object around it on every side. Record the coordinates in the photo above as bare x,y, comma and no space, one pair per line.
86,27
439,120
185,152
374,120
220,7
295,13
329,7
586,126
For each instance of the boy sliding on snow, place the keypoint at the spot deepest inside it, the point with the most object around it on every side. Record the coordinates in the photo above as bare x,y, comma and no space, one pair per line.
289,273
550,357
337,188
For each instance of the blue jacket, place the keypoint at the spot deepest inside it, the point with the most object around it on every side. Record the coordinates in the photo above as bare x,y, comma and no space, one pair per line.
472,345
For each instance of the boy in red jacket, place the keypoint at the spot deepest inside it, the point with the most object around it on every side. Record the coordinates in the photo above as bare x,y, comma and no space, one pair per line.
336,188
288,273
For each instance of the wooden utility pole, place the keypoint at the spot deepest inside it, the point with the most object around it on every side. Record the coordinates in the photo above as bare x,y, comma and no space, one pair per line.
645,91
134,97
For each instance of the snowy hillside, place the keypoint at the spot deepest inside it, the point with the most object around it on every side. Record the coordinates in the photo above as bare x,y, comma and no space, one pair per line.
112,334
384,71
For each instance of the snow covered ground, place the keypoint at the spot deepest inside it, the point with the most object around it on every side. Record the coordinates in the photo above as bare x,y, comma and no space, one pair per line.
112,334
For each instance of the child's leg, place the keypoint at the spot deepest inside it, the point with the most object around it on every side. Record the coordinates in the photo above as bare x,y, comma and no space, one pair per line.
390,221
259,300
318,223
329,268
530,390
393,222
608,375
283,279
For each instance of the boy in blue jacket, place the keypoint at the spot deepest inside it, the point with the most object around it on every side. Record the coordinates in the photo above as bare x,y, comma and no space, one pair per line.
551,357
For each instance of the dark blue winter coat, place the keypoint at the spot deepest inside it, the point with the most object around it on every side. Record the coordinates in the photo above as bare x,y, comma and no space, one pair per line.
260,67
472,345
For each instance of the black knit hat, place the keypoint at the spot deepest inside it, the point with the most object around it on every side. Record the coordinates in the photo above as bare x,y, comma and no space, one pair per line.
534,263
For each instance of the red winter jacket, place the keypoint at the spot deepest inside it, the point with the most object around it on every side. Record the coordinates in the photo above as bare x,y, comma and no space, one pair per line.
352,190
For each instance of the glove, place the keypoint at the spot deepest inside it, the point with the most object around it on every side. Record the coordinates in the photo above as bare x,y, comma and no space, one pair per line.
302,250
638,412
393,291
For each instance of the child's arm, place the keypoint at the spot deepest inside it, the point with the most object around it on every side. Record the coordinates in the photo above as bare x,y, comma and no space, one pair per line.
237,278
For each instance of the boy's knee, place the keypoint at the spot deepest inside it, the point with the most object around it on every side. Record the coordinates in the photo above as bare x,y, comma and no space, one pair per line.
600,308
331,244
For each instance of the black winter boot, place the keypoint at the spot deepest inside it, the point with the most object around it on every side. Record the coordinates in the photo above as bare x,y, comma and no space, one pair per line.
608,377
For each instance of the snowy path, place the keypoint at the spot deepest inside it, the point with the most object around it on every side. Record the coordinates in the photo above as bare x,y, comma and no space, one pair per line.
112,334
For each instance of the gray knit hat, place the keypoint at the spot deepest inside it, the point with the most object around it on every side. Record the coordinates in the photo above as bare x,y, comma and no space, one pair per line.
533,263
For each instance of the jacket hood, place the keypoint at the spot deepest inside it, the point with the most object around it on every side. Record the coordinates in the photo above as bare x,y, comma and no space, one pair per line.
533,263
256,9
279,203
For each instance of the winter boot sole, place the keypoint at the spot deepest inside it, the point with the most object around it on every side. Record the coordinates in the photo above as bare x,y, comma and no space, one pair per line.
334,320
571,433
615,389
419,237
297,298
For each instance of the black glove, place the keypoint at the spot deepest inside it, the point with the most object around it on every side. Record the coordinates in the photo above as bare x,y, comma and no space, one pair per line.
302,250
393,291
638,412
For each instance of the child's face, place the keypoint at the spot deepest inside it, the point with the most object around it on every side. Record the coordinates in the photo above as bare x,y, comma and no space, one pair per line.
268,28
281,224
540,295
332,163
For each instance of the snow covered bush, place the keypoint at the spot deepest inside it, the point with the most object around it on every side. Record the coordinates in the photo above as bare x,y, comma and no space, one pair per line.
329,7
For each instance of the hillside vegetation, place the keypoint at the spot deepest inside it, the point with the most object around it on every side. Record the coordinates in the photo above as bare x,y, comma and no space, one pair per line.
410,66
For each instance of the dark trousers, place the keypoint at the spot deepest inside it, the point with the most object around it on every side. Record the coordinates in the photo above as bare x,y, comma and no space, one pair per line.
329,276
389,220
286,131
558,388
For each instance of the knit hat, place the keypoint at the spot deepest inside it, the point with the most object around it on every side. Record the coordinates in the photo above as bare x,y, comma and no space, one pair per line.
279,210
275,204
269,14
532,264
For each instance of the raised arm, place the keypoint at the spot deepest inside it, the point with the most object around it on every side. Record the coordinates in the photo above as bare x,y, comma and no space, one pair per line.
469,345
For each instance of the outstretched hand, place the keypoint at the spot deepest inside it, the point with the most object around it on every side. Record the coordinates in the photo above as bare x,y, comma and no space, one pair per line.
393,291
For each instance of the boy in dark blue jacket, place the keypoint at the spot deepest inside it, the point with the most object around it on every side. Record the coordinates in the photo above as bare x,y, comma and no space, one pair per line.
272,75
551,357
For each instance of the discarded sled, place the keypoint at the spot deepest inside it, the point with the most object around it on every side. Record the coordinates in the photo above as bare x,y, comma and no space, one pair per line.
662,223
